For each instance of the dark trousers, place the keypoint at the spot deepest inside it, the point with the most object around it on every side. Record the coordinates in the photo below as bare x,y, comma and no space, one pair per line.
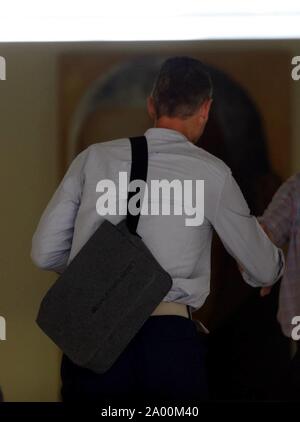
291,383
165,360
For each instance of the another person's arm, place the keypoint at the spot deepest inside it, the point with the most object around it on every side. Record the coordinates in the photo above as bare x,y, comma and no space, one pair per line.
277,219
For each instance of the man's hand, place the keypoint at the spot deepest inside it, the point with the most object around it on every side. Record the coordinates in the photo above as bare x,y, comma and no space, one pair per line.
241,269
265,291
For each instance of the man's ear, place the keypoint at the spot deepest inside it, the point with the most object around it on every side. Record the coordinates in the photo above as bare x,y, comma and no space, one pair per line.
151,108
205,108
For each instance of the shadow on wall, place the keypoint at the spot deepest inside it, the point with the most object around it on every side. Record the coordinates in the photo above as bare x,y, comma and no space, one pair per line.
248,351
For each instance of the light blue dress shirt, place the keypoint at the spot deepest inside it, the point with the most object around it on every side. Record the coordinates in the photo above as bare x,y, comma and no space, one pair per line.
184,251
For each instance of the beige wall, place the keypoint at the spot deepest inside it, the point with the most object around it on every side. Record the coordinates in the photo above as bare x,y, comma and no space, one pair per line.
29,363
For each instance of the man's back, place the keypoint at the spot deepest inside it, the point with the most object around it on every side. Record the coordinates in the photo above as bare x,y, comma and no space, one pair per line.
166,358
183,250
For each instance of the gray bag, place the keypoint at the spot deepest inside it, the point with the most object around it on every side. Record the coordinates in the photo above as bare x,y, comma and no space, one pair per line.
109,289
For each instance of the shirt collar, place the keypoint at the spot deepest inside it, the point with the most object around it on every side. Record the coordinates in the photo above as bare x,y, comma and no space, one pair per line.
165,134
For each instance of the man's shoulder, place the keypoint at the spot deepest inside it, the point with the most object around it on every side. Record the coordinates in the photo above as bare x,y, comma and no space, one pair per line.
110,145
120,149
212,163
116,148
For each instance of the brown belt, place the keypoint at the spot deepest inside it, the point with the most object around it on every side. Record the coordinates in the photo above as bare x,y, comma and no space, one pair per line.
172,308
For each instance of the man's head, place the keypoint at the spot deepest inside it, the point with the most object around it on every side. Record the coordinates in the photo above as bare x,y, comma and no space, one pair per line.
181,97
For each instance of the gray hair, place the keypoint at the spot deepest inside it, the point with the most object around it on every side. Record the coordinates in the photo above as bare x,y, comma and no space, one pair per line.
181,87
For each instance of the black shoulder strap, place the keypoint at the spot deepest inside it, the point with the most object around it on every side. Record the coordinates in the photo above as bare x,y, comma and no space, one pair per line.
139,169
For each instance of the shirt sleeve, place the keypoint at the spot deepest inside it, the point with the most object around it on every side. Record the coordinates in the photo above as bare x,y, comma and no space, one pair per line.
244,239
52,240
278,216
